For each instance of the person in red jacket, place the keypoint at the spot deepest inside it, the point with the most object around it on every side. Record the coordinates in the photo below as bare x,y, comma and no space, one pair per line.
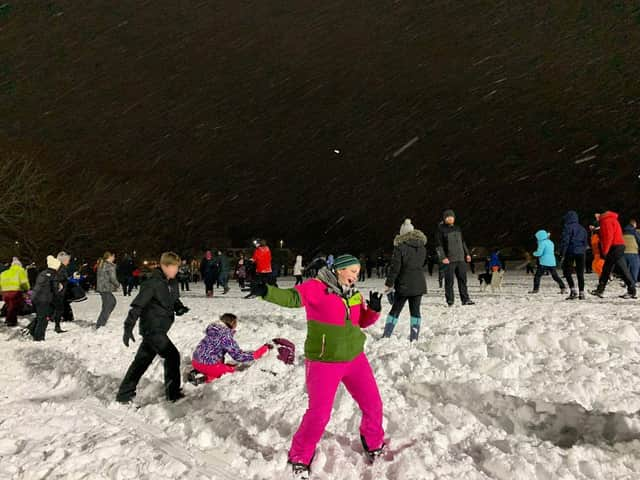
612,247
262,259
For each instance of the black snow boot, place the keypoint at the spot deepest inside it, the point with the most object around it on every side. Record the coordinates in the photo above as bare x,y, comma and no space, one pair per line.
597,292
581,296
372,455
573,295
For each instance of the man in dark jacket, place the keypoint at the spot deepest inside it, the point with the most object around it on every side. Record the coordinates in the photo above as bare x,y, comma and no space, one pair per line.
612,245
124,272
454,254
573,246
155,305
631,248
406,277
209,271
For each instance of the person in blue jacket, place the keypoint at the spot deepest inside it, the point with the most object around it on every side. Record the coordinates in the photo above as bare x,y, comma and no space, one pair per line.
547,261
573,247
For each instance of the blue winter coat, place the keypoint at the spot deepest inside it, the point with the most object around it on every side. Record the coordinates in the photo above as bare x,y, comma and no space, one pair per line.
545,249
574,236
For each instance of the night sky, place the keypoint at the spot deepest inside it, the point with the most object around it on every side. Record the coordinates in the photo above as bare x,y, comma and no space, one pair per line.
324,123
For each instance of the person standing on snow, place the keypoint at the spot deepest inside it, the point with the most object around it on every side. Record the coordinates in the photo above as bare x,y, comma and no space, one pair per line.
454,254
573,246
262,259
612,246
156,306
107,283
209,272
298,270
334,351
631,248
45,298
547,262
14,283
406,277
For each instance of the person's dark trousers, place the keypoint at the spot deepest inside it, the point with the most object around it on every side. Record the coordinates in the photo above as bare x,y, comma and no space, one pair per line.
209,280
130,281
369,272
63,312
363,276
633,264
266,278
398,305
242,282
223,280
38,327
530,269
152,345
457,270
472,267
442,272
14,302
615,258
567,267
299,279
108,304
184,285
542,270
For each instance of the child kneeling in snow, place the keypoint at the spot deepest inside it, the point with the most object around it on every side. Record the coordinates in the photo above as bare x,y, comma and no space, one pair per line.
208,358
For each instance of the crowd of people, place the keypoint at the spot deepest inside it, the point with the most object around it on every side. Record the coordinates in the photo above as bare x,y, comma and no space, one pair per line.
336,310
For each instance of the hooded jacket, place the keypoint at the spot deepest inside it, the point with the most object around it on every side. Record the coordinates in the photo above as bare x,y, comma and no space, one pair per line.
406,274
47,288
14,280
574,236
218,342
545,249
610,232
155,305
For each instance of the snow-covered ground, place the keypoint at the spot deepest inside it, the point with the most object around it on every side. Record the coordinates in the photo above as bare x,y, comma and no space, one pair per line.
516,387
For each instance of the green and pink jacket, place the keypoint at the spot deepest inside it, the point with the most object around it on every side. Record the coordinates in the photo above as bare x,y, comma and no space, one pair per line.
334,321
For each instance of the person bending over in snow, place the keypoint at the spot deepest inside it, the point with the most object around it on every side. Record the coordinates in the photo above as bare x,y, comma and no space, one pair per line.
334,351
208,357
155,305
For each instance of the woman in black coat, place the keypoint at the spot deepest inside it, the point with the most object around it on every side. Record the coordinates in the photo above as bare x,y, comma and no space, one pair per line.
406,277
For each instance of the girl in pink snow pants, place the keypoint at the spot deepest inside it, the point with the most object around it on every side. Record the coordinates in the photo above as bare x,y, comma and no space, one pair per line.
334,351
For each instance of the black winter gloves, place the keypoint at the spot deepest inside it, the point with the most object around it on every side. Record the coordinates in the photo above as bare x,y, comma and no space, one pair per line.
128,335
375,301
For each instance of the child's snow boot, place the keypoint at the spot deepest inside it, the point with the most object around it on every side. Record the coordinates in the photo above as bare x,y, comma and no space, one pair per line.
415,328
196,378
389,326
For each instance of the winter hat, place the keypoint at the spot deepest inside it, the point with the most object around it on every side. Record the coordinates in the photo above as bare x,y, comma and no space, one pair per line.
448,213
15,261
62,256
345,261
53,262
406,227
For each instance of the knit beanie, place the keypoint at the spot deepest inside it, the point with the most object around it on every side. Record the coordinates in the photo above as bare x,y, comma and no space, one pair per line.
345,261
406,227
15,261
53,262
448,213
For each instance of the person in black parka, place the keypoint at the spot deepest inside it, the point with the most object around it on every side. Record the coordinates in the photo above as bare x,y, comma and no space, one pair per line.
155,305
406,277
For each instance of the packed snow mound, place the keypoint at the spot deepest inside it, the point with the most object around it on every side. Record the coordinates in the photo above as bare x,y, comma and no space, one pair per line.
515,387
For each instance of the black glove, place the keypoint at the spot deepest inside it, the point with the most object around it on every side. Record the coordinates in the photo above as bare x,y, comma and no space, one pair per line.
375,301
270,346
182,310
259,289
128,335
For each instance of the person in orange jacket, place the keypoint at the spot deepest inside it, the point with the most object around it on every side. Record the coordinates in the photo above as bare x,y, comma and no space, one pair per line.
598,261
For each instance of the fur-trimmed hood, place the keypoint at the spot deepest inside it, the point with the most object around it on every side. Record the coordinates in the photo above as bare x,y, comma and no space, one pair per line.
414,238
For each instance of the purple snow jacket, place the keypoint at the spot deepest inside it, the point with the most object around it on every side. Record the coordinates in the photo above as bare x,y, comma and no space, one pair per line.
218,341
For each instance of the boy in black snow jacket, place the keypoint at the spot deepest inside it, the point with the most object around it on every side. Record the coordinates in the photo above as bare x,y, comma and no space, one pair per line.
155,305
45,297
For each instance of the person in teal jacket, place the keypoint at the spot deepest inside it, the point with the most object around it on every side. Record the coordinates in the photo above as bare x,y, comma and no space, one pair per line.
547,261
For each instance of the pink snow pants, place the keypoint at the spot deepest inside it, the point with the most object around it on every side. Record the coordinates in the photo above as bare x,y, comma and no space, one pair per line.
323,379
